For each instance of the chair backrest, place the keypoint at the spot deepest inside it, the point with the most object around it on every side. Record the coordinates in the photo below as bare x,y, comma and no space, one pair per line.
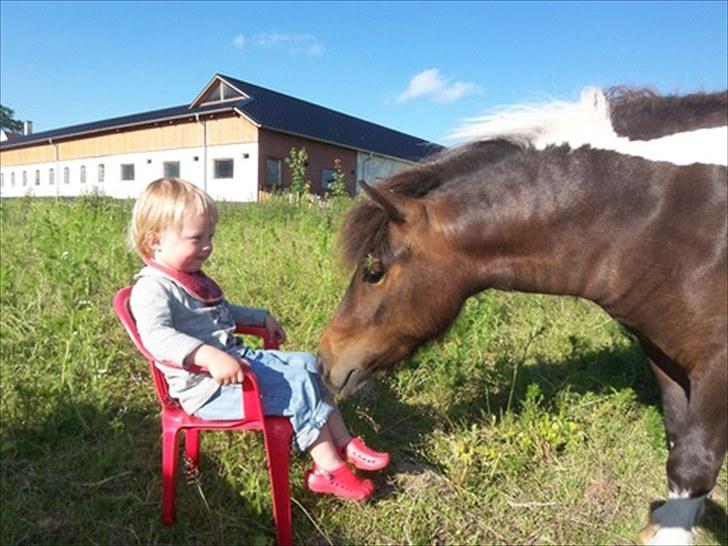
121,307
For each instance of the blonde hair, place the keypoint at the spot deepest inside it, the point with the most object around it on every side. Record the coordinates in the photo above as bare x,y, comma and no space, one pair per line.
161,206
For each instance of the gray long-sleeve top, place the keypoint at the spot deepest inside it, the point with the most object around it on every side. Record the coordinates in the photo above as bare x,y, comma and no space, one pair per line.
172,323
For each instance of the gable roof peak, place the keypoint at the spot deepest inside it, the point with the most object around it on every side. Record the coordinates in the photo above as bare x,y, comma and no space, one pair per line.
219,89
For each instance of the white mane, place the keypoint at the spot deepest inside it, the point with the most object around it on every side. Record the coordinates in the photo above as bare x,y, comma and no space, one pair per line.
588,122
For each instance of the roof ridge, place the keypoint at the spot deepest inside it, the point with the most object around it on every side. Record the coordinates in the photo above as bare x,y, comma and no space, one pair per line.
272,110
148,116
338,112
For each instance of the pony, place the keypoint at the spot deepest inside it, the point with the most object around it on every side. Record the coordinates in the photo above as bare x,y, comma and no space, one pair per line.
619,198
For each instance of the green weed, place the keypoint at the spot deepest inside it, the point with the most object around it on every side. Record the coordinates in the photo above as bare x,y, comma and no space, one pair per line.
534,420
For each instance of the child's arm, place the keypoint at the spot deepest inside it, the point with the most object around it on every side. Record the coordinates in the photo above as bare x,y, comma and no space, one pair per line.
250,316
275,330
151,305
224,368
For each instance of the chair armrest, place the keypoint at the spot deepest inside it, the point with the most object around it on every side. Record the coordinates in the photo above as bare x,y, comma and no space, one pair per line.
258,331
252,404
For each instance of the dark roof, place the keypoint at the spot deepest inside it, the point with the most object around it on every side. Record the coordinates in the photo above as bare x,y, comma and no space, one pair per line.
165,114
287,114
270,110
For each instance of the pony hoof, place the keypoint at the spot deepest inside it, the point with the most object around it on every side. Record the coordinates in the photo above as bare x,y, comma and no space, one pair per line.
646,534
654,535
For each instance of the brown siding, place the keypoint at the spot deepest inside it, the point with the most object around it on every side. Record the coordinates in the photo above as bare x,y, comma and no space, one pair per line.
320,156
230,130
39,153
178,135
170,135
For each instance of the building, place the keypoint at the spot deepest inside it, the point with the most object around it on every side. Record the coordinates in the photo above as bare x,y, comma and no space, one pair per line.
232,139
5,134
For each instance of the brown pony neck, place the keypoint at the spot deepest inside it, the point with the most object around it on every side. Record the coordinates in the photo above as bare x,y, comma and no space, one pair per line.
550,221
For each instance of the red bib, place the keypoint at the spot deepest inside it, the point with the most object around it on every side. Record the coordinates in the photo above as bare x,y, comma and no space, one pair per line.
198,285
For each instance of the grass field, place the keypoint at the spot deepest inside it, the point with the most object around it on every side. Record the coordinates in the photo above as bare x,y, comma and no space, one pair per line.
534,421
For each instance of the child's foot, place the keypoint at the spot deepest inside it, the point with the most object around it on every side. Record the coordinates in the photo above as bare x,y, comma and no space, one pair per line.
341,482
362,456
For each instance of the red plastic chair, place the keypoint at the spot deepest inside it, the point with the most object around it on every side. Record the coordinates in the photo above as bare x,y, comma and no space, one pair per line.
276,430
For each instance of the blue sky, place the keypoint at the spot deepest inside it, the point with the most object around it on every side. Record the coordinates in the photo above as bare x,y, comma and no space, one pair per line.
418,67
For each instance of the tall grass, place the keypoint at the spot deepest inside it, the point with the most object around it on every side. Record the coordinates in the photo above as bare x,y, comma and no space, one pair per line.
533,421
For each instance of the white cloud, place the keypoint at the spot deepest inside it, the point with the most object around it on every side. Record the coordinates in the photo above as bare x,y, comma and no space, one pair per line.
429,83
239,41
295,44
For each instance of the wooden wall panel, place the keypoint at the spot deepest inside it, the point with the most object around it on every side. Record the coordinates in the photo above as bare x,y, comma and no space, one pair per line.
180,135
36,154
224,130
230,130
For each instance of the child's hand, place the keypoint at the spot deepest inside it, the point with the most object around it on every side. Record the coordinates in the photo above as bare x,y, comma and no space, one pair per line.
224,368
275,330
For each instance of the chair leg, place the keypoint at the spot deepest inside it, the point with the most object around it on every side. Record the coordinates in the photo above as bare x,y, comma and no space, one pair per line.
277,437
192,450
169,473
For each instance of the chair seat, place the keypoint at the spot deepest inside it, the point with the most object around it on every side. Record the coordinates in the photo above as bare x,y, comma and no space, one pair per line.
183,420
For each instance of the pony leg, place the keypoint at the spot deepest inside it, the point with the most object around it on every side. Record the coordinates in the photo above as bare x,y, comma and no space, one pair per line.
672,523
674,404
697,436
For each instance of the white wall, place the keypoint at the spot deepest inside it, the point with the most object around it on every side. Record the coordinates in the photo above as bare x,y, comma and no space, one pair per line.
244,185
148,166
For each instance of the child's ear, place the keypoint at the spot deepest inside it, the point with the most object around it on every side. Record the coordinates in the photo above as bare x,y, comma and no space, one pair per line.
151,239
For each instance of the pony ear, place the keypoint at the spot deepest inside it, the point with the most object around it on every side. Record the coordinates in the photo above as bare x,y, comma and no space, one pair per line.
393,203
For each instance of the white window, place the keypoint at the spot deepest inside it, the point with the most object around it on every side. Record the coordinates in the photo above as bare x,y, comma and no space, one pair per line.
102,172
171,169
37,177
51,176
127,171
66,175
221,92
83,174
2,180
224,168
12,179
273,172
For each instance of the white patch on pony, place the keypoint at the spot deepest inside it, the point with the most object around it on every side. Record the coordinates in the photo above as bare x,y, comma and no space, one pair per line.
673,521
699,146
678,495
587,122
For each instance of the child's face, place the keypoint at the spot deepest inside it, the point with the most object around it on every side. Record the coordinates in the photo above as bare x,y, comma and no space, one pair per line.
185,248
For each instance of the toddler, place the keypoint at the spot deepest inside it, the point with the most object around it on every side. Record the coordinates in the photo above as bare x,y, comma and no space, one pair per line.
185,322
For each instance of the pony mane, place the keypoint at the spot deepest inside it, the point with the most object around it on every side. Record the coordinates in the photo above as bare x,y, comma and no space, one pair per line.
599,118
541,124
365,229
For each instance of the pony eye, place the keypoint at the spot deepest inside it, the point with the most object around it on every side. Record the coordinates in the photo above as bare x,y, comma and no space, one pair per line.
372,270
373,276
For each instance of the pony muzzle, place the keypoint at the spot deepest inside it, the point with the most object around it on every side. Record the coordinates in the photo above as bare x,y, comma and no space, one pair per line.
342,380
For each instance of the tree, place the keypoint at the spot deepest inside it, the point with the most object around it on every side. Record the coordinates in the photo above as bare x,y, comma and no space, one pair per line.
297,161
8,121
337,185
